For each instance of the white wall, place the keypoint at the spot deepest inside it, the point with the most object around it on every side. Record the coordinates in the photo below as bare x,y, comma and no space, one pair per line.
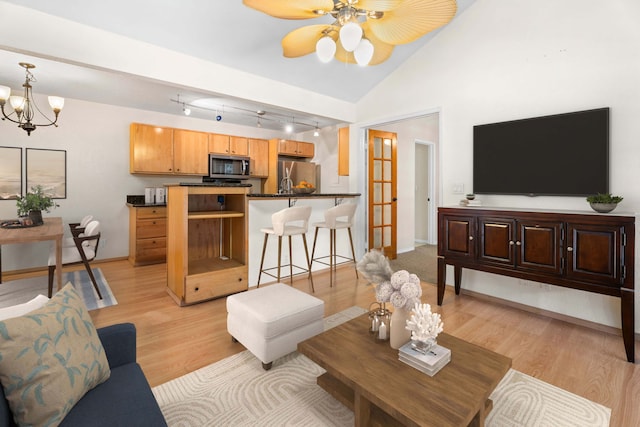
96,138
508,60
326,155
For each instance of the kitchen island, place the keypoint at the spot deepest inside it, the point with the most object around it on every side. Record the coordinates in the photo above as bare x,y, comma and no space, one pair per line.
262,206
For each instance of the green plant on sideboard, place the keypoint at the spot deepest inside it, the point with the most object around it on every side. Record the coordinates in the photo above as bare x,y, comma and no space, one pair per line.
603,202
35,200
604,198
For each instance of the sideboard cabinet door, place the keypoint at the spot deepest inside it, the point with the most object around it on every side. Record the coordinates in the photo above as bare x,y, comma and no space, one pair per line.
459,233
497,241
595,253
539,246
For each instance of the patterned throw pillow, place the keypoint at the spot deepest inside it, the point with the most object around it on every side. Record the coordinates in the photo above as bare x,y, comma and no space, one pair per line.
49,358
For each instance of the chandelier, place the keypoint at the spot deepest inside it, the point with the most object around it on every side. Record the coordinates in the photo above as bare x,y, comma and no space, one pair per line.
364,32
24,107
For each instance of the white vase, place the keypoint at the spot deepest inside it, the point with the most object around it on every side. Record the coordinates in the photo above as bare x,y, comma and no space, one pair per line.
398,333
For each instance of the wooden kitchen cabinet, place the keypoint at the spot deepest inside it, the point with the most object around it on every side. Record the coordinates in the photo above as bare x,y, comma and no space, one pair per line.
147,235
151,149
190,152
206,246
343,151
296,148
227,144
259,155
167,151
589,252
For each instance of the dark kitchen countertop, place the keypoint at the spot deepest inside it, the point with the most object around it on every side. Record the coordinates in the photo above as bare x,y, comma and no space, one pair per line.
300,196
146,205
137,201
209,184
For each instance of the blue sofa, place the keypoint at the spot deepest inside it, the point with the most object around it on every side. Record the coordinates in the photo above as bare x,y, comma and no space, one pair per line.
125,399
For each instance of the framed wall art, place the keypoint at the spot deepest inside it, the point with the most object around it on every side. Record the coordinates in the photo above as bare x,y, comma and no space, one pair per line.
47,168
10,173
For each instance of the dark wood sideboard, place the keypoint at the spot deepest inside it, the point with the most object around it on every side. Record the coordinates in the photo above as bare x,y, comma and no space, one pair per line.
590,252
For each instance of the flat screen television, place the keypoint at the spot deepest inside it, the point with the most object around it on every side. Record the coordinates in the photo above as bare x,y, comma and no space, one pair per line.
558,155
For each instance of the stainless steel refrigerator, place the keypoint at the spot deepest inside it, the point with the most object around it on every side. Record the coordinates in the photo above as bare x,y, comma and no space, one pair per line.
298,171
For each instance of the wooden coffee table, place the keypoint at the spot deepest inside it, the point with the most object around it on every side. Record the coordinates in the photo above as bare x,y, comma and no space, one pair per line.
367,377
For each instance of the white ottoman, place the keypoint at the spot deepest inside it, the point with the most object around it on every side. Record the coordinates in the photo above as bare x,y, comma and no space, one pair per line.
271,321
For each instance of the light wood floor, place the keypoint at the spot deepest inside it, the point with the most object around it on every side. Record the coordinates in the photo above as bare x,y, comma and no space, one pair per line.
173,341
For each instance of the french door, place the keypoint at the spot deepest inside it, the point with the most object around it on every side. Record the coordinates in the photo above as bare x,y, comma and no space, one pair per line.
382,192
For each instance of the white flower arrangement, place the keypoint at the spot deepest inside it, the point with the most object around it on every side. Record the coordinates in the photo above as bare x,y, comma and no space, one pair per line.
406,290
401,288
424,325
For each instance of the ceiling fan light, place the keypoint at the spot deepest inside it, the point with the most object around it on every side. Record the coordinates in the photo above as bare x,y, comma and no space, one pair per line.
325,49
56,103
5,92
350,35
364,52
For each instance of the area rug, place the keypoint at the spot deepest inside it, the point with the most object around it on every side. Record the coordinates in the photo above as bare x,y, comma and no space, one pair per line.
422,261
236,391
20,291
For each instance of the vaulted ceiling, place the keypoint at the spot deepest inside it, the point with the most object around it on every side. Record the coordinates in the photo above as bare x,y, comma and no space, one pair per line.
221,32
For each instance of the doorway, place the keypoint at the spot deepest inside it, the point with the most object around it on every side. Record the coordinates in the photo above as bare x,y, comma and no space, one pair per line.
423,128
425,191
382,192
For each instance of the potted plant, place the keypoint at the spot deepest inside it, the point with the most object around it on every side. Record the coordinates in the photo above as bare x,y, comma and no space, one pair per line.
604,203
33,204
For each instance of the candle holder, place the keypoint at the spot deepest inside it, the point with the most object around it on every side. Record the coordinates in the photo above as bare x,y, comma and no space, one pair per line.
380,319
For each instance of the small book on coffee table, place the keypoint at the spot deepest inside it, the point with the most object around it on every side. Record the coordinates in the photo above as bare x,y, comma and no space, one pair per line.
429,362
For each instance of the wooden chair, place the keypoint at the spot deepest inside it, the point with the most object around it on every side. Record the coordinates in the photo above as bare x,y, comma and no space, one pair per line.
77,228
85,249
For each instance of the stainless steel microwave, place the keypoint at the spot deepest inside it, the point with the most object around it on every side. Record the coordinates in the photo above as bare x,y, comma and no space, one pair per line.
228,167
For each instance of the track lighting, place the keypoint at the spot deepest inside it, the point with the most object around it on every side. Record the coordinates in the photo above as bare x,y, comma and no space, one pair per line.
263,118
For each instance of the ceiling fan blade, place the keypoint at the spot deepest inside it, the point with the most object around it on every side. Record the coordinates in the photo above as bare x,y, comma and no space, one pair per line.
290,9
378,5
302,41
412,19
381,50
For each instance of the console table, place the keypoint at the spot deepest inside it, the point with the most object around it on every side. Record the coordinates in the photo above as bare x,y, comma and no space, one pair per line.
578,250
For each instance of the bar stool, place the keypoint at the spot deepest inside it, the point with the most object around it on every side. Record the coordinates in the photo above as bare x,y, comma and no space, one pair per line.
337,217
287,222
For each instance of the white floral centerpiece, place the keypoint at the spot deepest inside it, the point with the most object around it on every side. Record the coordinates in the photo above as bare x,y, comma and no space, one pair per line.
402,289
424,326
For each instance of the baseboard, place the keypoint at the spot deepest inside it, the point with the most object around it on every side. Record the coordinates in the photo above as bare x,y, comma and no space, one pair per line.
546,313
34,271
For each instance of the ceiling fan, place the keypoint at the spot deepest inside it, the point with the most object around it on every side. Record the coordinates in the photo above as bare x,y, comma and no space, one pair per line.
364,31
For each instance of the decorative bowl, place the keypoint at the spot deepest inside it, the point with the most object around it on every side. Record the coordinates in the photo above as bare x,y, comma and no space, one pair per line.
302,190
603,207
